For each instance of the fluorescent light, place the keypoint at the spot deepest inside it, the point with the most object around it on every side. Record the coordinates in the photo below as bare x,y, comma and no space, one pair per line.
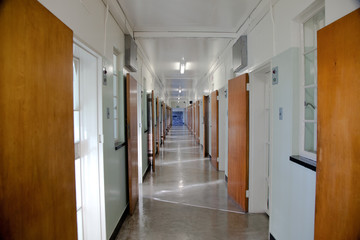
182,68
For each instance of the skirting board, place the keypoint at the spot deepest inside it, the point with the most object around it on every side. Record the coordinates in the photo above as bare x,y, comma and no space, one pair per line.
120,223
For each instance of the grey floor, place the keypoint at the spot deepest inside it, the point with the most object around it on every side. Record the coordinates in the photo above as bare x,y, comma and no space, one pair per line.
185,198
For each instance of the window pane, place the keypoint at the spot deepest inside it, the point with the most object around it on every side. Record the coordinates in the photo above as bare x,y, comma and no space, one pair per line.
76,82
310,103
310,137
78,183
76,126
116,135
115,108
310,68
319,22
115,86
79,225
115,63
309,35
121,110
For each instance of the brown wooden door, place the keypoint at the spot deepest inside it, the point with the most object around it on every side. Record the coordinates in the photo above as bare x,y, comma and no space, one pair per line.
163,121
132,141
238,139
206,121
37,183
153,129
198,121
214,129
337,212
157,126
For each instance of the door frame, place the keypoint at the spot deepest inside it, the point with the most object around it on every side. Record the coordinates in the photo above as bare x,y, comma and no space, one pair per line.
253,207
99,131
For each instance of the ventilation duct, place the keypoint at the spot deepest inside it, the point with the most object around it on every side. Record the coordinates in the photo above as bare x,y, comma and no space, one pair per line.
240,54
130,53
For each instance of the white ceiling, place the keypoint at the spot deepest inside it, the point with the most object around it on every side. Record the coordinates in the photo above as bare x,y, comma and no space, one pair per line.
196,30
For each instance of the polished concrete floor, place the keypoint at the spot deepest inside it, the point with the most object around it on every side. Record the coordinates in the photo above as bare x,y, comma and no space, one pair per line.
185,198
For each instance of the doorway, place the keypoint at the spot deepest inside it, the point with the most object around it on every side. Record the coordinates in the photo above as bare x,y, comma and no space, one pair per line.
260,140
88,157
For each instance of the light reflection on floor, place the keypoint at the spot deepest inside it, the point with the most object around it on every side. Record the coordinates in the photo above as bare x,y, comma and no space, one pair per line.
185,198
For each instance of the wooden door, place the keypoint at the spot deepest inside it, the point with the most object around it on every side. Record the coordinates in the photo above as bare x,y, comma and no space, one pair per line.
337,211
193,119
238,139
163,121
214,129
157,126
132,141
37,183
198,121
153,130
206,121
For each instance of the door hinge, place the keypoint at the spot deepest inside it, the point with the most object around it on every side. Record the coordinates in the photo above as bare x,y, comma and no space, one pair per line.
101,138
247,193
248,87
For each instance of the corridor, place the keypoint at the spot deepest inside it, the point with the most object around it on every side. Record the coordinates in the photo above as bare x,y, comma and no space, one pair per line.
187,199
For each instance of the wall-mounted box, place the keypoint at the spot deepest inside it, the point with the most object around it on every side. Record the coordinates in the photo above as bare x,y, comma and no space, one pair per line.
130,53
240,58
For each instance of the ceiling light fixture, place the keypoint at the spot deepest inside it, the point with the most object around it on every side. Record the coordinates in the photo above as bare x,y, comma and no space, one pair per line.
182,68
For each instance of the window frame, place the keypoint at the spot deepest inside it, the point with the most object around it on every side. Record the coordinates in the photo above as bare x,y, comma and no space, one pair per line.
302,152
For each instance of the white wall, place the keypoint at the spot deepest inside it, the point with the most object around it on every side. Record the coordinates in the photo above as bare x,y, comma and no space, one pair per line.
335,9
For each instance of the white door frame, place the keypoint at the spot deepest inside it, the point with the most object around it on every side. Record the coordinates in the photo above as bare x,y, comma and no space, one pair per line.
100,135
140,132
257,169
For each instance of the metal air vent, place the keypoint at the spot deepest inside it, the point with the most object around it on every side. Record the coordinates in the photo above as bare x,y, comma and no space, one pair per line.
240,54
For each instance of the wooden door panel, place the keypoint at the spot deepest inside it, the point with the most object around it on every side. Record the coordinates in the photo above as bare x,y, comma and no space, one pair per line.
337,212
153,129
131,120
37,170
205,119
198,121
214,129
238,139
157,126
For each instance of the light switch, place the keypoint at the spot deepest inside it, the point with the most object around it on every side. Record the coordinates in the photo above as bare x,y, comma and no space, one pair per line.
275,75
108,113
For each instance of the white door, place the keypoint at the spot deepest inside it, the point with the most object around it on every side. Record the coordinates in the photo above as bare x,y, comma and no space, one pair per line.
87,164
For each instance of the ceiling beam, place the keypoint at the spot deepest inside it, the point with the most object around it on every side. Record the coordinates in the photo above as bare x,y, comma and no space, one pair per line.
170,34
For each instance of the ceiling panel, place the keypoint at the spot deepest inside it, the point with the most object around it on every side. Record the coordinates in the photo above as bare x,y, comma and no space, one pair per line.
199,54
196,30
187,15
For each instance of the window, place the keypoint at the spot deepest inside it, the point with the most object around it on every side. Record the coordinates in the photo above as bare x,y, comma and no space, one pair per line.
118,102
78,182
308,129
